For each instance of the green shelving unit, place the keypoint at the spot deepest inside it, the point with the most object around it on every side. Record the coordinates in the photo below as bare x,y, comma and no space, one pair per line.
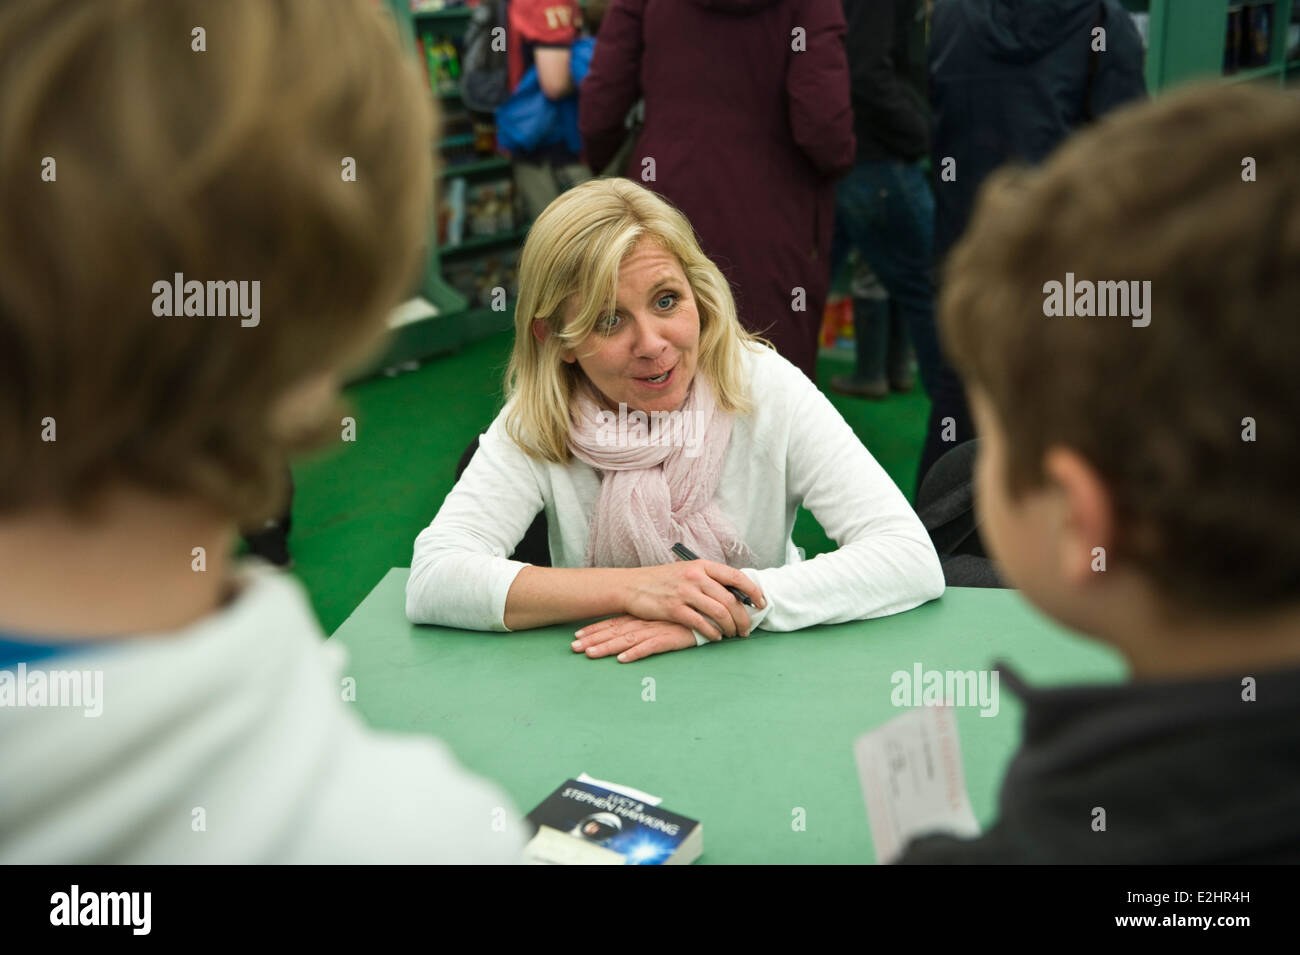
458,321
470,168
1187,41
476,243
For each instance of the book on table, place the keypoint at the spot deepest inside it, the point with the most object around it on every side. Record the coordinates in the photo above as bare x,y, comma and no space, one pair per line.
590,822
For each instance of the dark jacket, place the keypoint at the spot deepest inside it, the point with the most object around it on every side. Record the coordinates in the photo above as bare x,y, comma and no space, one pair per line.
1008,81
1187,772
746,134
891,118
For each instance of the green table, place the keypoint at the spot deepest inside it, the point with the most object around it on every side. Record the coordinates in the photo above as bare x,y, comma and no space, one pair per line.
739,734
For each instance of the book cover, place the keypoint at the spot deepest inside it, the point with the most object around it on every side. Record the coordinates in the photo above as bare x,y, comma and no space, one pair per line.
581,823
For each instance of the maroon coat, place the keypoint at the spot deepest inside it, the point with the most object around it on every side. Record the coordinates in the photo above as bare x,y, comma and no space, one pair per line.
747,136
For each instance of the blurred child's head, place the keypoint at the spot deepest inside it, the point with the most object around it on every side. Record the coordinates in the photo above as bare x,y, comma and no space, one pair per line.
139,140
1171,446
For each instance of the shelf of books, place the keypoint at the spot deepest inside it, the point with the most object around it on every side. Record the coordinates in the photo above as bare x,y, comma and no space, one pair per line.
469,285
1237,40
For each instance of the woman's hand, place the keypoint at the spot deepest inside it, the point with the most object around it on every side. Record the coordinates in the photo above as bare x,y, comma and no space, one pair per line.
631,638
691,593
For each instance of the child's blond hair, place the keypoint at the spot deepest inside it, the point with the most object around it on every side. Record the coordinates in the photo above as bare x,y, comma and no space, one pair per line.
139,140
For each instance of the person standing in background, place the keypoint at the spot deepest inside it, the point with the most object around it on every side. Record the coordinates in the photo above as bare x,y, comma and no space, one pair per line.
1009,81
882,354
884,207
541,33
747,126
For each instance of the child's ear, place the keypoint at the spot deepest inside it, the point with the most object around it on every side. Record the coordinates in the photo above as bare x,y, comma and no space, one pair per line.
298,409
1087,514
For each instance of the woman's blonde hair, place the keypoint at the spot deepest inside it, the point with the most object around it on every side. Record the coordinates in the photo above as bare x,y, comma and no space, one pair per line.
575,249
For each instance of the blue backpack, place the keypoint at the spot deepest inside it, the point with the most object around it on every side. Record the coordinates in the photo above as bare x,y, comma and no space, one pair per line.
529,121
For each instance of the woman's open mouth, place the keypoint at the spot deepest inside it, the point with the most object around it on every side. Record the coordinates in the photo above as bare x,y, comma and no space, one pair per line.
659,381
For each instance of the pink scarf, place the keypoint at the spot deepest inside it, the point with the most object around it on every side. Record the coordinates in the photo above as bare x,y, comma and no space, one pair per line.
657,482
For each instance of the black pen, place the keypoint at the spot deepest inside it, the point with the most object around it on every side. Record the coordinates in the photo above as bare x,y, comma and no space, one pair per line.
684,553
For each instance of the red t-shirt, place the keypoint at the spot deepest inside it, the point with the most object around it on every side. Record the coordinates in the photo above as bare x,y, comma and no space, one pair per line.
534,23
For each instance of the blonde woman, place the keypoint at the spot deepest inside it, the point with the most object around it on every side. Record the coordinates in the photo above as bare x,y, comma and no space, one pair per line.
640,414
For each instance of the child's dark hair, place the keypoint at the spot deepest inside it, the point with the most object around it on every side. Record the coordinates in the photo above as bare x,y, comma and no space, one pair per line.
1192,419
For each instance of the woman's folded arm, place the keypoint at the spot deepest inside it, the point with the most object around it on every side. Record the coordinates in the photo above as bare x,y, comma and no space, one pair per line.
542,596
460,570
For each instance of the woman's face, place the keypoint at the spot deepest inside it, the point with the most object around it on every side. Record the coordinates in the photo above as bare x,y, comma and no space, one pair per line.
654,332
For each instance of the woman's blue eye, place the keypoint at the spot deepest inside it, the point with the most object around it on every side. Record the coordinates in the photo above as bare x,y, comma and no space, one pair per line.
612,322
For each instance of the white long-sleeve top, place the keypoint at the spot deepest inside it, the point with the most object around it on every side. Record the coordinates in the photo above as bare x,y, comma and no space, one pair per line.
792,449
229,741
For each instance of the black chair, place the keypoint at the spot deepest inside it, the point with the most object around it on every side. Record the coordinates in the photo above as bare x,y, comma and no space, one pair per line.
945,502
533,549
271,542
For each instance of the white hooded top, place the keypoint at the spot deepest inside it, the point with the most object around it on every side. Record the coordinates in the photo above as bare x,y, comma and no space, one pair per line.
228,741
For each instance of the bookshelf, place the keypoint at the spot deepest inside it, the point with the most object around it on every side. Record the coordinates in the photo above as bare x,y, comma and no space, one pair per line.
1187,41
462,311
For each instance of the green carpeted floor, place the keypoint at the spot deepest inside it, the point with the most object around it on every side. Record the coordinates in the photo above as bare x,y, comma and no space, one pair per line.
358,509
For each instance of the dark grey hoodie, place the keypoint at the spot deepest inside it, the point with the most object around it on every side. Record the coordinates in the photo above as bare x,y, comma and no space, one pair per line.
1187,772
1009,81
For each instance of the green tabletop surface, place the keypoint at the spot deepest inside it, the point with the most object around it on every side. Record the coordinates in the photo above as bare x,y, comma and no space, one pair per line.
740,734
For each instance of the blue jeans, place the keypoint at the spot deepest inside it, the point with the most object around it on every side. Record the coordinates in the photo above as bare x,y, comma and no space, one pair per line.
886,209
